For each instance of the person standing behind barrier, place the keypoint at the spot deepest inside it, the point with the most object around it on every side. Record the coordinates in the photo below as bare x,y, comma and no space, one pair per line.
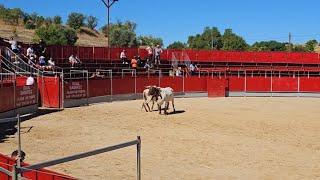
41,48
30,80
158,50
150,54
15,155
14,44
123,57
134,62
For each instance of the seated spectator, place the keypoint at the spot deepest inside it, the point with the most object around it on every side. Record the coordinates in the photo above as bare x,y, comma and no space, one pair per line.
51,65
134,62
78,60
147,65
97,75
15,154
72,61
31,55
42,61
123,57
193,68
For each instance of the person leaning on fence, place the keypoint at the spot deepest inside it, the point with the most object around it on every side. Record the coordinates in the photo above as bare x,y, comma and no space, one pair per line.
13,43
158,50
15,155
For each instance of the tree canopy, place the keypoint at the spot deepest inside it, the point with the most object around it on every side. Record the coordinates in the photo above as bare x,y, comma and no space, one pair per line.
177,45
56,35
121,34
149,41
76,20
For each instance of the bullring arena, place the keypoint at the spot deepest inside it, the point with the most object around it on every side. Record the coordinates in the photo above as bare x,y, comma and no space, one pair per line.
219,138
234,119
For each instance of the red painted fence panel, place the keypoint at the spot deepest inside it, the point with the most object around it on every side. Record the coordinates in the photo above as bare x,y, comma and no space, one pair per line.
258,84
216,87
195,84
176,83
311,84
142,82
50,91
7,99
123,85
284,84
99,87
236,84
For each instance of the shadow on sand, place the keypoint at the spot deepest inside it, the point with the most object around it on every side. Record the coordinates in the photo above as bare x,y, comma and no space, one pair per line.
10,128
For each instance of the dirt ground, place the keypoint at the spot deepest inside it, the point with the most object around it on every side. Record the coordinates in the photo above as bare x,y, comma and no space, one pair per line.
220,138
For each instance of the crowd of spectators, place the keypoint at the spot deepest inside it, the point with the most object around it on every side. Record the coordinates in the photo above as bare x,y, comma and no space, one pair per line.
36,54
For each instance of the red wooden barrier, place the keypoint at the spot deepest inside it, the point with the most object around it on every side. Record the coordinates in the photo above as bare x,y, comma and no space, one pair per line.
50,91
99,87
194,84
75,89
311,84
26,95
43,174
145,81
284,84
236,84
176,83
7,99
216,87
258,84
123,85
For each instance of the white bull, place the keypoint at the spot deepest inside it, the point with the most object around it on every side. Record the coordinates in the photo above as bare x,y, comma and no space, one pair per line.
147,98
166,95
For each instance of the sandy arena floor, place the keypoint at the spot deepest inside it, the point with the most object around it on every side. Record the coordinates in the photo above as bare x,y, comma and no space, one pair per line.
223,138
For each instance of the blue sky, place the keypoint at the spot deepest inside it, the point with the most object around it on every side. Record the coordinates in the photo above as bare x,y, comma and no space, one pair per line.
175,20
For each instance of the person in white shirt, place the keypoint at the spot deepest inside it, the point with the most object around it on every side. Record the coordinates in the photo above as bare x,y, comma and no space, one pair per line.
72,60
123,57
30,80
14,45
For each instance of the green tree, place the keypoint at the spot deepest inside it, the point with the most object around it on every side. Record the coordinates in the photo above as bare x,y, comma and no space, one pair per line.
92,22
177,45
231,41
311,44
209,39
48,21
56,35
299,48
57,20
149,41
76,20
11,16
121,34
268,46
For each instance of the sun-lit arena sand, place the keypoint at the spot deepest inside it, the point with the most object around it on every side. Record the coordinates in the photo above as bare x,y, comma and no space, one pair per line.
223,138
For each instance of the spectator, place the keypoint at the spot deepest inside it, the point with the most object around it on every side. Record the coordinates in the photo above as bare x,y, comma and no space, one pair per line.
42,60
150,54
15,154
30,80
147,65
51,64
41,49
72,61
31,55
97,75
78,60
134,62
158,50
193,68
14,45
123,57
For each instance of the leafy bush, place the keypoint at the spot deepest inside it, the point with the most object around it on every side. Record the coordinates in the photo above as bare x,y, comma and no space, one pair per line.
76,20
56,35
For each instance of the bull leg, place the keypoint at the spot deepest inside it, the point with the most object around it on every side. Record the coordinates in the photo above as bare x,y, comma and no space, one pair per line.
144,106
159,109
152,105
166,108
174,110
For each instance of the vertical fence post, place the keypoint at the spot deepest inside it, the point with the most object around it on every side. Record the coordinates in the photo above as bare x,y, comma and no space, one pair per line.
139,158
14,172
62,90
271,86
111,86
87,78
19,141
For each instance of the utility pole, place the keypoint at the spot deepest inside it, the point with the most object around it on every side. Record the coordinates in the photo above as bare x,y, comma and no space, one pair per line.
290,45
108,4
